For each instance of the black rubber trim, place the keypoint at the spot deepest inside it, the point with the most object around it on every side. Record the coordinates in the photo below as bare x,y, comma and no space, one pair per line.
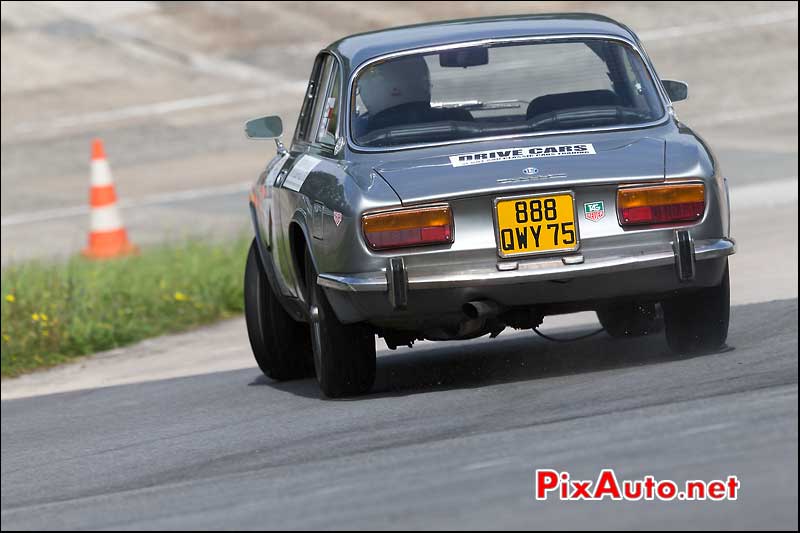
397,278
684,255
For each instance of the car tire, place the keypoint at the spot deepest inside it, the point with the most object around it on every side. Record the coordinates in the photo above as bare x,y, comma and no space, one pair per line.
344,354
281,345
698,322
630,319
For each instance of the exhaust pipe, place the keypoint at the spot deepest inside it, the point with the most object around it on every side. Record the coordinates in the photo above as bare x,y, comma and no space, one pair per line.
482,309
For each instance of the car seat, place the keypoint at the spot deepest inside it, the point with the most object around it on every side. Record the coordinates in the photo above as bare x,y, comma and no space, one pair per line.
557,102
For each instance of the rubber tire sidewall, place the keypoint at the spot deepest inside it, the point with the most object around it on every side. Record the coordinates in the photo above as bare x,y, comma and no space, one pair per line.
699,321
344,354
280,344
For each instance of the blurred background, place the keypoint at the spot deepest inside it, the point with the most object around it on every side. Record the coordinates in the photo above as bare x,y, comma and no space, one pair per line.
168,85
182,431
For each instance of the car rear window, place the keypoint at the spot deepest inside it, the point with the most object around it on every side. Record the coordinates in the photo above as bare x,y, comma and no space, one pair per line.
505,89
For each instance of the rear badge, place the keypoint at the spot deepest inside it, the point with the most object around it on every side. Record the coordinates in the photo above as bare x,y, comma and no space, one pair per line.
530,171
337,218
594,211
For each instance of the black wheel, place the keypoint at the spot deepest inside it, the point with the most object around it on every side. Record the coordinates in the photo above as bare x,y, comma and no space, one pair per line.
280,344
344,354
698,322
630,319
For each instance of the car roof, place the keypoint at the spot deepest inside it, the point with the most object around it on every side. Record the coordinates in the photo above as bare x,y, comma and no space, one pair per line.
356,49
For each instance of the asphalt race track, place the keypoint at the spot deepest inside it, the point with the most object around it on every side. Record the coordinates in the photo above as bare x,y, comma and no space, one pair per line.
453,432
450,438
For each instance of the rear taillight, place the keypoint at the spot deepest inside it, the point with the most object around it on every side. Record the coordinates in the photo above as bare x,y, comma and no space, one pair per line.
408,227
663,204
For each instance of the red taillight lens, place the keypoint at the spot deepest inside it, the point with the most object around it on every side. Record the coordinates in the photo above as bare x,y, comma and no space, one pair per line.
684,202
408,227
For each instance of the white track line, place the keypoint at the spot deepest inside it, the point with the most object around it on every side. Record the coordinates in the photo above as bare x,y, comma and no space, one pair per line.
157,109
184,104
677,32
745,114
763,194
146,201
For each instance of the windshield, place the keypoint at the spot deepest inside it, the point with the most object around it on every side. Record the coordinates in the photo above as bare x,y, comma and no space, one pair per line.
502,89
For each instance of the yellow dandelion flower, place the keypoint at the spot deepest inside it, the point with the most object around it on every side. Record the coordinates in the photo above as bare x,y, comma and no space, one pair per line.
180,297
10,298
35,317
44,317
6,337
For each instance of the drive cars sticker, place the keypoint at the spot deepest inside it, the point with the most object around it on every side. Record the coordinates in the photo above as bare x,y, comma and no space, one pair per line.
302,168
594,211
531,152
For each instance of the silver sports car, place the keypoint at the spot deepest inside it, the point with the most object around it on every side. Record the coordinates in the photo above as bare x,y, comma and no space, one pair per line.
446,181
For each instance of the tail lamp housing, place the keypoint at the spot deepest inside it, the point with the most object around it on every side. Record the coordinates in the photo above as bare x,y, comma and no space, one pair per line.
404,228
661,204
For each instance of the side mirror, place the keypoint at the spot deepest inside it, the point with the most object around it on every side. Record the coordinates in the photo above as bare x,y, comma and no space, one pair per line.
264,128
676,90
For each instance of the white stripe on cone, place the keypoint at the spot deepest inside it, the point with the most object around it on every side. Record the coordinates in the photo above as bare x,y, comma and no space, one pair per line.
101,173
106,218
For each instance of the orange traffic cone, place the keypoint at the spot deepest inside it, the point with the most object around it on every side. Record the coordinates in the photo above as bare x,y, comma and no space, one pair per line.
107,235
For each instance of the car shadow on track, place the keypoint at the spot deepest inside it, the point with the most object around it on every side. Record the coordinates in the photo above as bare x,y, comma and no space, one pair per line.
517,357
523,356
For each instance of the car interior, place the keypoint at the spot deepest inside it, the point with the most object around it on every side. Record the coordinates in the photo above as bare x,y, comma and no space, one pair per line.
395,105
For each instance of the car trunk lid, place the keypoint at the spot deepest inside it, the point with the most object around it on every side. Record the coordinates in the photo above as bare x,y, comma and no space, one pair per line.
523,165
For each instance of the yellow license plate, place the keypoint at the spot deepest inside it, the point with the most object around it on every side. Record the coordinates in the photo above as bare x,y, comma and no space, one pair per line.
537,223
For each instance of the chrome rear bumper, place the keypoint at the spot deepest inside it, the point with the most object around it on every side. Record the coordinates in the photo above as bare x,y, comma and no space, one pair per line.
508,272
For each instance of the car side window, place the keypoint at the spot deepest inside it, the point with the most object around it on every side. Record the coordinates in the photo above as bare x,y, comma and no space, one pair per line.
304,122
320,99
328,124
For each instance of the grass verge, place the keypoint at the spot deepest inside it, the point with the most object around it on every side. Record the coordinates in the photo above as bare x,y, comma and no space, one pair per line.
52,313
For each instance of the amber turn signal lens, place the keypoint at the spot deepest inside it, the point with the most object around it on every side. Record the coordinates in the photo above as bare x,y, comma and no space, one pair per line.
408,227
663,204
